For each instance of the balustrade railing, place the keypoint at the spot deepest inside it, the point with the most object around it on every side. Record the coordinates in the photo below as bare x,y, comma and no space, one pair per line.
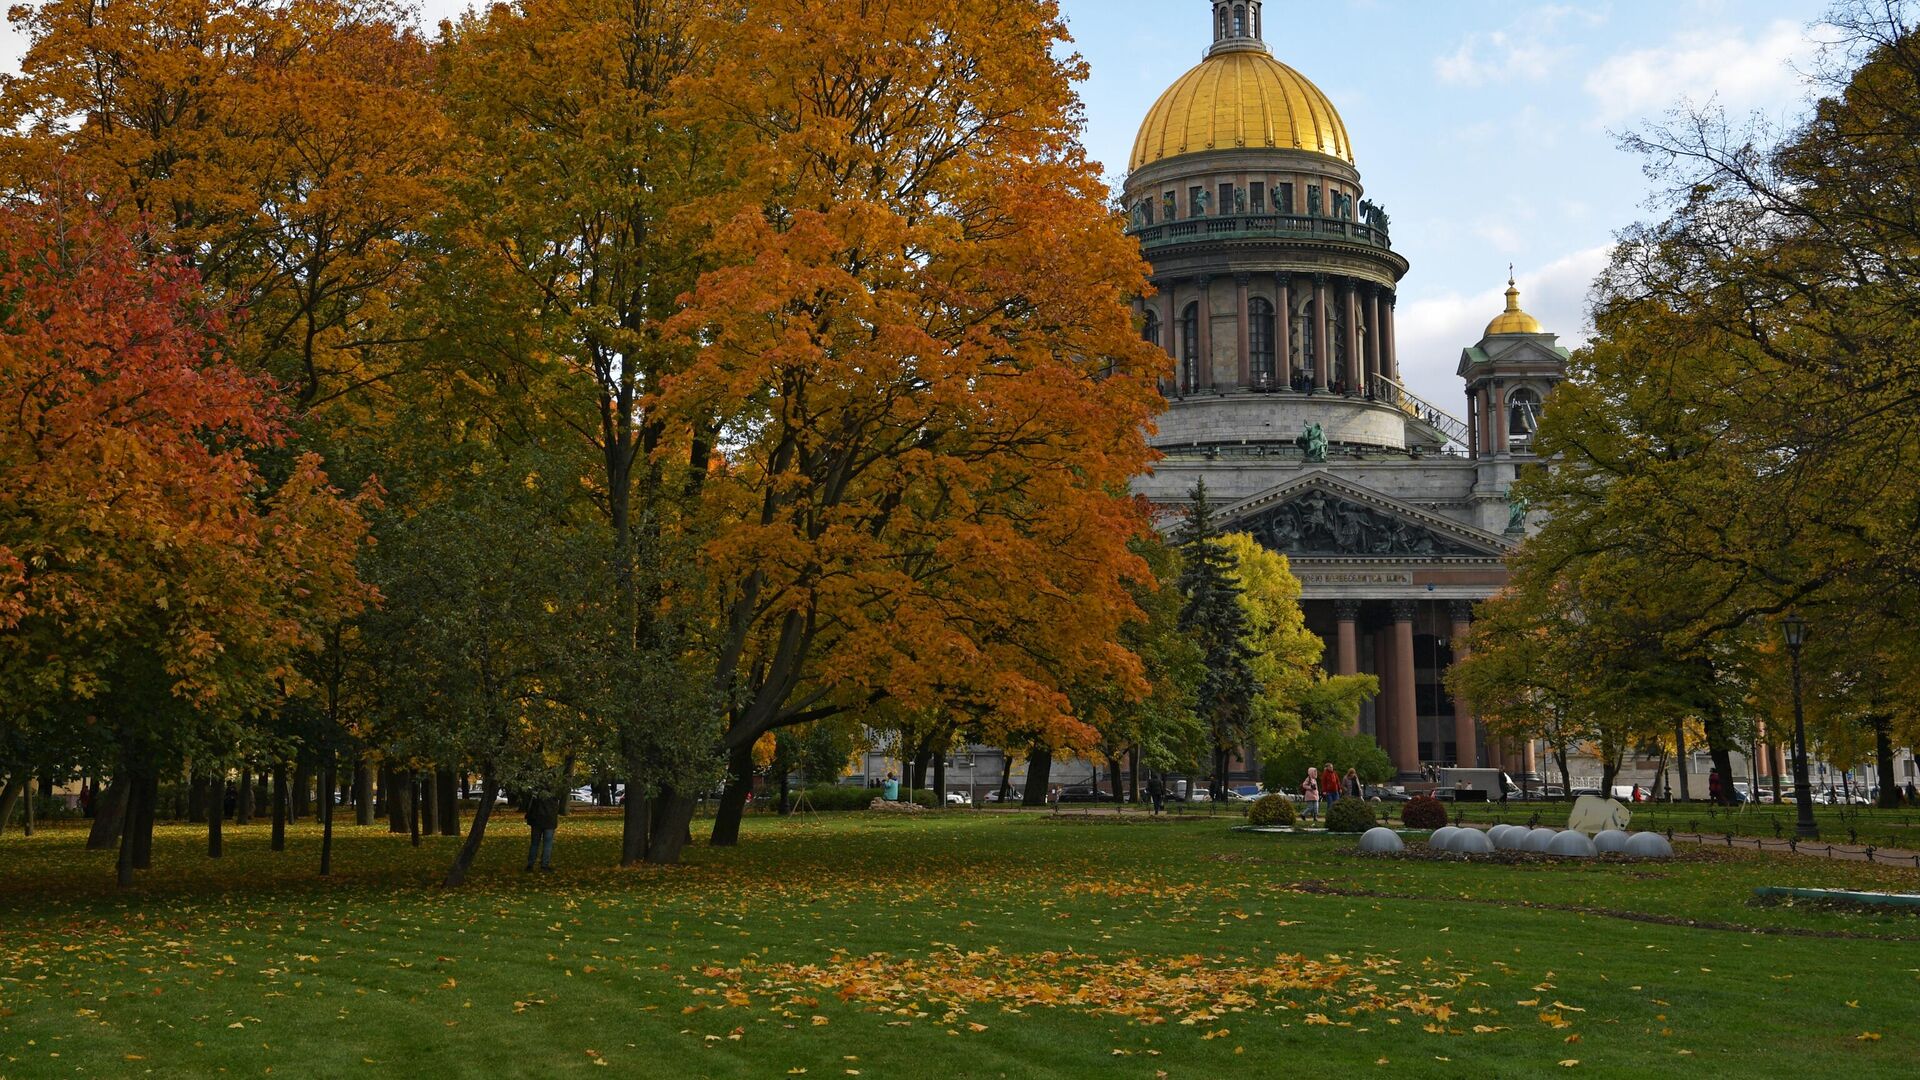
1258,226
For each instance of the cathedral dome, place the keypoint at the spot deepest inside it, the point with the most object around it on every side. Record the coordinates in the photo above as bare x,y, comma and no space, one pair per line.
1513,320
1241,98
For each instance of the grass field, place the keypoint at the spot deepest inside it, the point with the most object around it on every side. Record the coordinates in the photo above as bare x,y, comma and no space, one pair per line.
957,945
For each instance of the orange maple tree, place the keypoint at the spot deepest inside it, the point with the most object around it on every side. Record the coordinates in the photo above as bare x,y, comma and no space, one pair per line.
921,361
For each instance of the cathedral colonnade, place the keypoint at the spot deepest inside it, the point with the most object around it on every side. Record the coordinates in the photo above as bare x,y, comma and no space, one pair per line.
1273,331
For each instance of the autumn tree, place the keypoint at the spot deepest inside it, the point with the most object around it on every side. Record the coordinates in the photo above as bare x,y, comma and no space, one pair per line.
917,358
149,552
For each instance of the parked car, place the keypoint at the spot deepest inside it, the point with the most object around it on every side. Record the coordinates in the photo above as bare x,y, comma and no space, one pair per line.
1079,794
959,798
1245,793
1379,793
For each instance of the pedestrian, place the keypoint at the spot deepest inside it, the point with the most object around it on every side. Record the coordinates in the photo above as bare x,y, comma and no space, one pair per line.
1310,795
1353,790
1636,793
1330,783
543,819
1157,792
1714,794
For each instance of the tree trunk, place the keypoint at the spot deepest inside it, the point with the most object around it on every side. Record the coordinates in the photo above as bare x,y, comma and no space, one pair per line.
917,777
634,821
279,806
1006,777
1039,764
243,804
326,814
147,799
1133,775
1883,761
1777,765
1680,759
129,803
786,784
449,794
429,796
302,787
463,859
26,819
940,780
399,795
733,799
1721,748
16,785
672,815
216,815
109,815
1566,774
362,792
413,808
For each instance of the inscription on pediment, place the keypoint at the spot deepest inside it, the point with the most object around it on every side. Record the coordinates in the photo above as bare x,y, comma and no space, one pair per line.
1317,523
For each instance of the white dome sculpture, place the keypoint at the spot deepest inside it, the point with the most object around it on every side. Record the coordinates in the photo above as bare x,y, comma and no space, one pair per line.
1381,841
1649,845
1571,845
1537,840
1611,842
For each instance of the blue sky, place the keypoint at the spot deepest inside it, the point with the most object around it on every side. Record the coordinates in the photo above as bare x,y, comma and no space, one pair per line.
1488,128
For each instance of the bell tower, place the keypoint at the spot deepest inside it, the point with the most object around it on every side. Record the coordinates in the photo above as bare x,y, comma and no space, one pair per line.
1509,376
1236,27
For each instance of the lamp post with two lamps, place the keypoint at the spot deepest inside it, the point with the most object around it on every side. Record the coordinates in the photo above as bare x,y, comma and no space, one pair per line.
1795,629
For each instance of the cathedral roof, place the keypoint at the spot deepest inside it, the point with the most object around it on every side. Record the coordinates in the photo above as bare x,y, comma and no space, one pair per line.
1241,98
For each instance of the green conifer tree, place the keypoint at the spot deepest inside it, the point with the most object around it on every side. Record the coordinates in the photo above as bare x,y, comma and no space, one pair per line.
1217,623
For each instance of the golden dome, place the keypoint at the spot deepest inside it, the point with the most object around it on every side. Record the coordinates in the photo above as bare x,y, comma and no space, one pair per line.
1240,99
1513,320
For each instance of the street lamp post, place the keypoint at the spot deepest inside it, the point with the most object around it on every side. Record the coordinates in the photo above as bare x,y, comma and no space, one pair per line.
1795,629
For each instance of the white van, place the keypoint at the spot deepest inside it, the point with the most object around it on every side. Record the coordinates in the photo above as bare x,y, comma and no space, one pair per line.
1479,785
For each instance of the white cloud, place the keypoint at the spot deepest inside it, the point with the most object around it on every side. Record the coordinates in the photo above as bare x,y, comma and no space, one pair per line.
1528,50
1433,329
1739,71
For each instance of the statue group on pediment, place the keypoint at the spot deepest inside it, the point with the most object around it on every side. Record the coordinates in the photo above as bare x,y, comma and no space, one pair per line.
1320,524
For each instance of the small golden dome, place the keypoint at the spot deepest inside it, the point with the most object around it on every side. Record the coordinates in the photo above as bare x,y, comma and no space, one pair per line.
1240,99
1513,320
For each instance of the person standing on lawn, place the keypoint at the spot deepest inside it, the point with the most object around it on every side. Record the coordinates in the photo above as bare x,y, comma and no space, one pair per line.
1330,783
1310,794
1714,794
1157,792
543,820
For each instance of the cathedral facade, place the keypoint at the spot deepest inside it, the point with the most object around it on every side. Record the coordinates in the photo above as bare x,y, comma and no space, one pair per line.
1275,286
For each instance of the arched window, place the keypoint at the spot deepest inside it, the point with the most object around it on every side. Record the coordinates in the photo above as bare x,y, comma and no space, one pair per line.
1190,348
1260,342
1523,416
1151,332
1239,20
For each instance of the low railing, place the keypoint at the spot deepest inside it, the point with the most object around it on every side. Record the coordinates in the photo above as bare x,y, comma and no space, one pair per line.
1418,408
1256,227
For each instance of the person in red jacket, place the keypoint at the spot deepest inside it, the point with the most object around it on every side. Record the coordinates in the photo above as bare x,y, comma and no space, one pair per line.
1330,783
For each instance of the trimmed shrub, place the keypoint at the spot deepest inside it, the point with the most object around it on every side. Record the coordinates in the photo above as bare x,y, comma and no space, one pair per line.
1271,810
1350,816
1424,812
829,798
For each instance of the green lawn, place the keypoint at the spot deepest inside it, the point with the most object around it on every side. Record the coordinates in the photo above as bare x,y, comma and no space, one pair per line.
958,945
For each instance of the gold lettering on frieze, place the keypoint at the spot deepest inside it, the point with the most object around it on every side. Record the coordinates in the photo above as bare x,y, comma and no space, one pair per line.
1345,577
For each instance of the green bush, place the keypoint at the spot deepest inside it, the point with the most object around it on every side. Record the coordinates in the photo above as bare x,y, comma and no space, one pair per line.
1350,815
1271,810
1424,812
829,798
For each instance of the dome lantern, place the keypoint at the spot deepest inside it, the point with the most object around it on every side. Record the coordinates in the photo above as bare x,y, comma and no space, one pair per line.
1236,27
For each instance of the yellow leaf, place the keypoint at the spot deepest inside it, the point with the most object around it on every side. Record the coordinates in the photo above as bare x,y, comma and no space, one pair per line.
1570,1063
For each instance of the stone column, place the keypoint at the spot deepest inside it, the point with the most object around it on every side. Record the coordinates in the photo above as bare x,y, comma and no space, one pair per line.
1390,353
1322,350
1499,417
1383,669
1355,364
1464,735
1347,641
1473,425
1405,750
1203,367
1170,330
1373,339
1283,365
1530,760
1246,339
